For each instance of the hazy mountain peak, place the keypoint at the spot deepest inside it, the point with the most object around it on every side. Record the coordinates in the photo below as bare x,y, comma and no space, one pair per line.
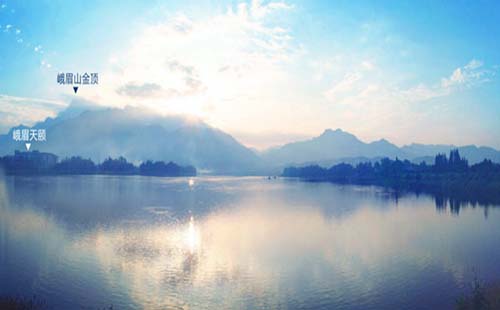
382,142
139,135
330,131
337,144
336,134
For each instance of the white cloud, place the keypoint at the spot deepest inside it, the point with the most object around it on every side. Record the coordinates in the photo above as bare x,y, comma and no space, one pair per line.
27,111
466,75
457,77
181,24
235,57
380,104
354,87
227,67
346,85
257,9
242,69
462,77
474,64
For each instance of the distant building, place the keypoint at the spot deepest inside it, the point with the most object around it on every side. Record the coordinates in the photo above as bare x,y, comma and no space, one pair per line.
41,160
33,162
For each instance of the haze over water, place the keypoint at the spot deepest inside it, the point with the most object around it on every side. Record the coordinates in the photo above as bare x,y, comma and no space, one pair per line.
225,242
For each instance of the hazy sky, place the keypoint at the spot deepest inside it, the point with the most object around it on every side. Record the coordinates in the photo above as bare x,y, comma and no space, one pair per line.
265,72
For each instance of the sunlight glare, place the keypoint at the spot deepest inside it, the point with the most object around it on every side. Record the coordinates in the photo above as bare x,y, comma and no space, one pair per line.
192,236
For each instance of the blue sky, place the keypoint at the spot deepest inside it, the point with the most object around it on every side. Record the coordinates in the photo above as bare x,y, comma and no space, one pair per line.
266,72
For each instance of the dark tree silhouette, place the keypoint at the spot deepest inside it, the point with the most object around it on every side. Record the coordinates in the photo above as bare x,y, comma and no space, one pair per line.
33,163
448,175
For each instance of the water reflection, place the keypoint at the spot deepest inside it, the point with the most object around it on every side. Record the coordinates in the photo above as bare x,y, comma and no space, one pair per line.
236,243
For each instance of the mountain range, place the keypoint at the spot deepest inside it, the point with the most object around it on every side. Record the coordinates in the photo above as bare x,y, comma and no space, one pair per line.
334,146
139,135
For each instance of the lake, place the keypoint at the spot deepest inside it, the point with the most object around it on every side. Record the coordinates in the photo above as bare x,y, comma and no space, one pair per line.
238,242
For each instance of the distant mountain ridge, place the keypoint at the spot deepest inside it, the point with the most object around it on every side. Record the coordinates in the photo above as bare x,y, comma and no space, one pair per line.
335,145
139,135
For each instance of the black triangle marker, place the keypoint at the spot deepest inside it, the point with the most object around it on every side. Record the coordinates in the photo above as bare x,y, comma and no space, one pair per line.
75,88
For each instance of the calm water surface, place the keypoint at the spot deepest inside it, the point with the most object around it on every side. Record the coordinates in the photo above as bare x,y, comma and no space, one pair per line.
223,243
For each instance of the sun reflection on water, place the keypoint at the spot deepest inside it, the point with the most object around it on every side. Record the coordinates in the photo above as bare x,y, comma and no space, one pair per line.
247,253
192,236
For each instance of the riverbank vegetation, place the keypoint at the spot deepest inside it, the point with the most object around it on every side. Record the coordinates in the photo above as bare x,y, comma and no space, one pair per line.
37,163
450,175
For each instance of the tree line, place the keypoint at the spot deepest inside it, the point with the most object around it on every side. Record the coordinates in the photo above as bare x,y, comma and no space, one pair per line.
449,175
46,163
